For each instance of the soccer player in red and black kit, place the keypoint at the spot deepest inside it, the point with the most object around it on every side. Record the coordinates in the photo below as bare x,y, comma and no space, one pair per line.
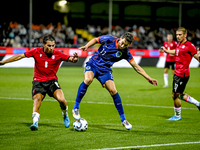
184,52
170,44
45,81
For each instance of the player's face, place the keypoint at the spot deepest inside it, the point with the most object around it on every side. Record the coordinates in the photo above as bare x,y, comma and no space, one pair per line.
49,47
169,37
181,38
122,43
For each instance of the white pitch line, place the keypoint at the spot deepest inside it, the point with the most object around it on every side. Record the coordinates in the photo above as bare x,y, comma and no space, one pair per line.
90,102
145,146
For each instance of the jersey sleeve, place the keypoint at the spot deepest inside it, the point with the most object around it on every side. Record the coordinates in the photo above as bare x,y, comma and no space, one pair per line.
175,44
192,49
105,38
129,57
30,53
164,44
64,57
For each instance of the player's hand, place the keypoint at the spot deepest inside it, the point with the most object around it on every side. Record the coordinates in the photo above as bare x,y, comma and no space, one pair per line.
84,48
1,63
153,81
162,49
198,52
75,58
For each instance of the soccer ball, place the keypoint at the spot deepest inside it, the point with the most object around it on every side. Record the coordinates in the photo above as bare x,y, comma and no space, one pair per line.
80,125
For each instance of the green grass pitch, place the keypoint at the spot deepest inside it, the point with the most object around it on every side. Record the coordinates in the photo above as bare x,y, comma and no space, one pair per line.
146,107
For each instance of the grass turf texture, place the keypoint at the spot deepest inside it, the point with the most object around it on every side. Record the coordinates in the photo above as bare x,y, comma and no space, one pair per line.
146,107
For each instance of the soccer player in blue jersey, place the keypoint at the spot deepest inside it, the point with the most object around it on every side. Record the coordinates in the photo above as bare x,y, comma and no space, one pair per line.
112,49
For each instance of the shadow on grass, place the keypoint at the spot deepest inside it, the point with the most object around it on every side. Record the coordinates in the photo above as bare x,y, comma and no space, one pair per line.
138,132
167,117
151,89
106,127
55,125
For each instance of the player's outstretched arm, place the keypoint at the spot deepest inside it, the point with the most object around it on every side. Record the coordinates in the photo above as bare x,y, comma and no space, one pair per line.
163,49
74,58
90,43
143,73
197,55
13,58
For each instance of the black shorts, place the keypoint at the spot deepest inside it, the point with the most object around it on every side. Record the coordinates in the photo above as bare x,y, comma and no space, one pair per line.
170,64
179,84
48,87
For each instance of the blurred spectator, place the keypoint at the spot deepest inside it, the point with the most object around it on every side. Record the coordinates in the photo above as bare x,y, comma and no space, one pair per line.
16,34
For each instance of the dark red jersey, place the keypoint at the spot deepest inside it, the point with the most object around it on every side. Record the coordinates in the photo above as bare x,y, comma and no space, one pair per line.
46,66
170,46
183,56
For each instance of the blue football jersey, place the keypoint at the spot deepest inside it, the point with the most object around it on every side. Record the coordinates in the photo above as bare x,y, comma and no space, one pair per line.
108,53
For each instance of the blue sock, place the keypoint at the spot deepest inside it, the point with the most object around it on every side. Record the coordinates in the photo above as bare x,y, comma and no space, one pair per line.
118,105
81,92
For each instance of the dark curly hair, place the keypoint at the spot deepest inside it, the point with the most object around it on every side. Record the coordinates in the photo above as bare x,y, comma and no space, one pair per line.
128,36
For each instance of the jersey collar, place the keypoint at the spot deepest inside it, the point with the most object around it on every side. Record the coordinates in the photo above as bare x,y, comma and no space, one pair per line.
116,43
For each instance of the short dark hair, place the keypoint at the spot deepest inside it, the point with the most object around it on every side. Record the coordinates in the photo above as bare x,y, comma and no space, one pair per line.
48,38
128,36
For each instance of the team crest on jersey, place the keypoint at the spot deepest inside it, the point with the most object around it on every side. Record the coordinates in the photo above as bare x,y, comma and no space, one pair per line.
53,56
171,44
118,54
40,55
88,68
183,46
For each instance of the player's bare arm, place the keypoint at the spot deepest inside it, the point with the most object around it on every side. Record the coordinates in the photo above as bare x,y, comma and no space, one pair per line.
73,58
163,49
138,69
90,43
197,55
13,58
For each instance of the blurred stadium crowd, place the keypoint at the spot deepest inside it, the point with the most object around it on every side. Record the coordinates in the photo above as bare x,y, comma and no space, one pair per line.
15,34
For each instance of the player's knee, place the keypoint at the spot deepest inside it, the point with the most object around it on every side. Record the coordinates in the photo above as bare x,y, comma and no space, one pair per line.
113,91
38,98
175,95
88,81
62,100
183,96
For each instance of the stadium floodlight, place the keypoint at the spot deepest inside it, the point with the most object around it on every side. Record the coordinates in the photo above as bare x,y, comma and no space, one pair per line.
62,2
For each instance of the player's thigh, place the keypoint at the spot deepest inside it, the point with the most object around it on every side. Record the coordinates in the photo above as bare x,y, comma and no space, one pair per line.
59,95
89,76
110,86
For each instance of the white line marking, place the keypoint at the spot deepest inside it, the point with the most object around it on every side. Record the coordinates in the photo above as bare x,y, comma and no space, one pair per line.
155,145
90,102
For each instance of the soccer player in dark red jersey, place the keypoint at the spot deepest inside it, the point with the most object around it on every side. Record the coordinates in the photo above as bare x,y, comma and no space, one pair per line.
184,52
170,44
47,62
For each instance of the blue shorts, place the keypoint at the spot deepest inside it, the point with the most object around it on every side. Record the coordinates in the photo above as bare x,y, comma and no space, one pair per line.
102,76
